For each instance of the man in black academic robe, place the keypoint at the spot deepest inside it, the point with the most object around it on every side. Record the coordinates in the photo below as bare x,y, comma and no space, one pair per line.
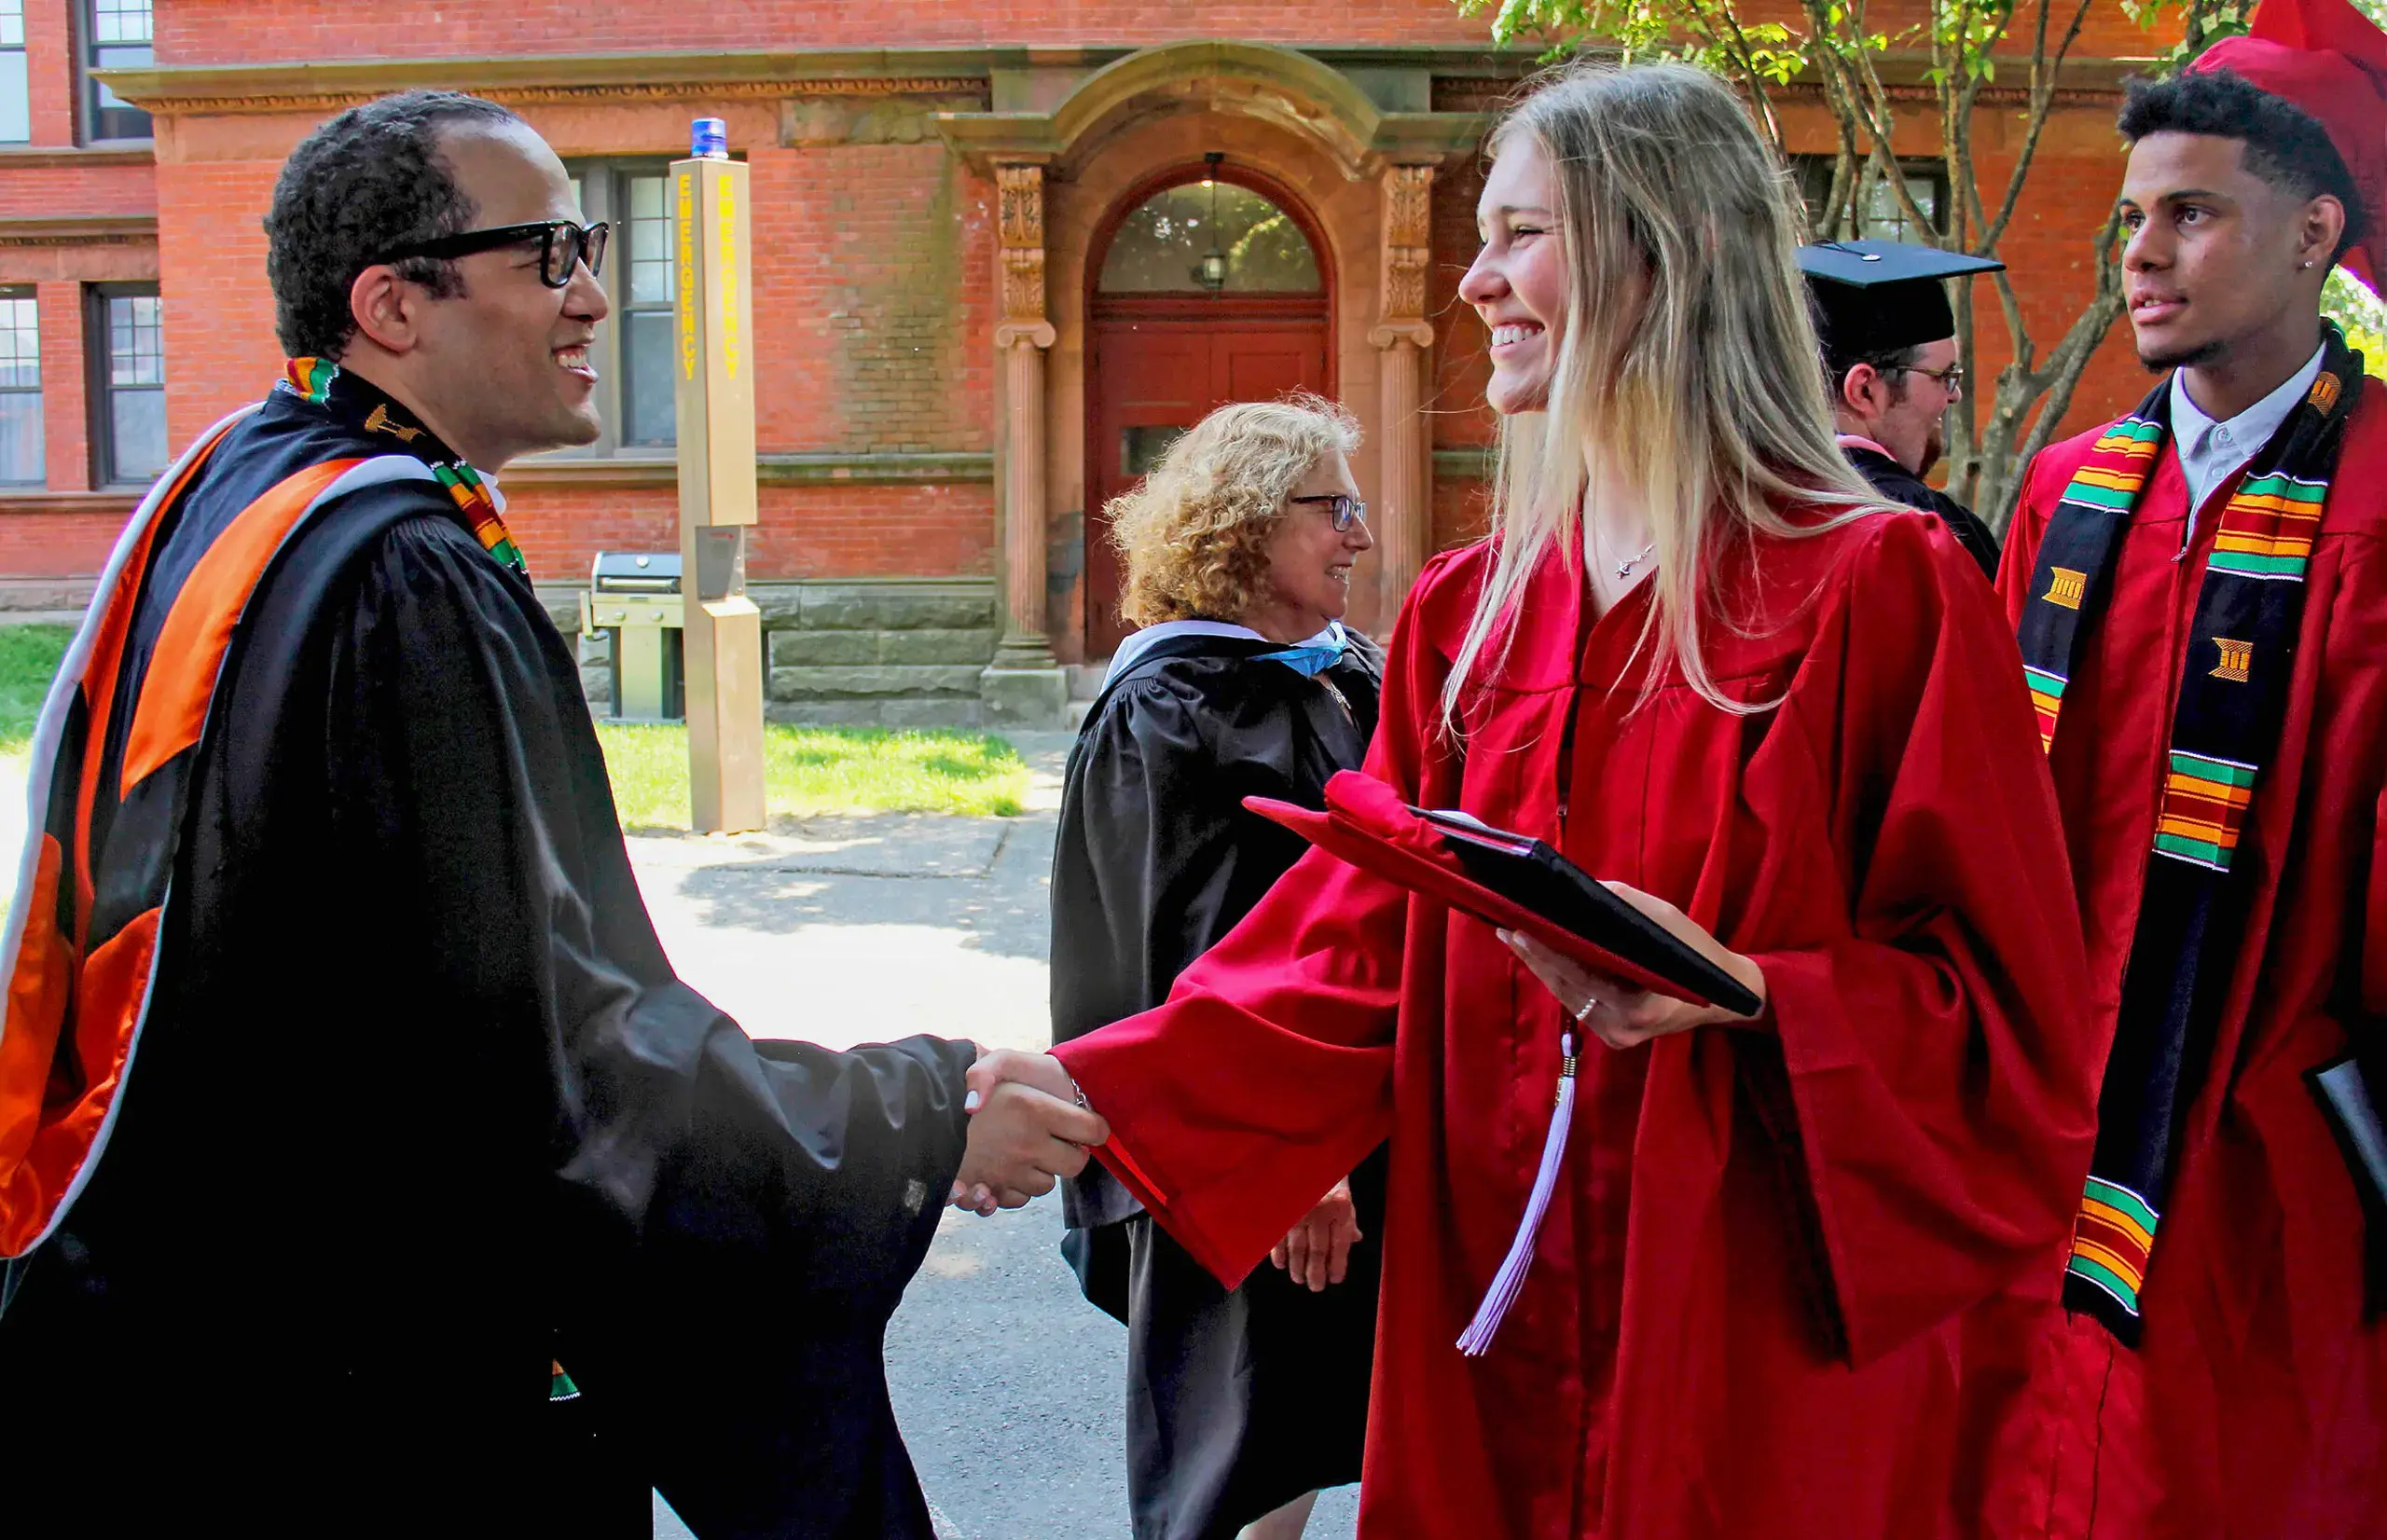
433,1203
1889,339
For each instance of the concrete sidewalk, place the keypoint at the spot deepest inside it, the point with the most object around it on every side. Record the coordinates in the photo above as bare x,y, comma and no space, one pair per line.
858,929
1010,1388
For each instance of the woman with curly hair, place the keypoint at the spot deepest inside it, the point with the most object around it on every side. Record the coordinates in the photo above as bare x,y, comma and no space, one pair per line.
1241,1403
1728,1293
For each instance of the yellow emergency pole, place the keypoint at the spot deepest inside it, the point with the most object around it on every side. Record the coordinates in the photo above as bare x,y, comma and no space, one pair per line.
722,639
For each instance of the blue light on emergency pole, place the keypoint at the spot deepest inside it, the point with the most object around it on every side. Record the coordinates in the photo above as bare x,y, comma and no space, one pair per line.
709,140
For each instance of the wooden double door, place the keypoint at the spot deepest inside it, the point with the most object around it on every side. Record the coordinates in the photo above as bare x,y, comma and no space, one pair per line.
1158,366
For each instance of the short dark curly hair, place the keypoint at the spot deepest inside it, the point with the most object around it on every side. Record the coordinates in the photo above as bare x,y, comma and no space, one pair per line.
2284,146
364,183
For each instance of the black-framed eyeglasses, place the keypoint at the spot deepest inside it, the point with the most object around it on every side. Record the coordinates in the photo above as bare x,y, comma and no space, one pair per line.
1347,510
1949,378
563,246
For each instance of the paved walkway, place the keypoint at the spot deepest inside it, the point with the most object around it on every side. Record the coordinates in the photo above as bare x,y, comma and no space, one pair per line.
1008,1385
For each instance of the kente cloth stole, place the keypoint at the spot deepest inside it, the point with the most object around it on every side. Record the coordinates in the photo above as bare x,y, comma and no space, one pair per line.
2232,697
327,385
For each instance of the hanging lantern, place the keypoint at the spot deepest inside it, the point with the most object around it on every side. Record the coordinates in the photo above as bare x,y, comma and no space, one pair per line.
1211,272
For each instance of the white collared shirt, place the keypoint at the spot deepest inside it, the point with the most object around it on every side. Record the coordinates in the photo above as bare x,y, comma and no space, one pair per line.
2211,452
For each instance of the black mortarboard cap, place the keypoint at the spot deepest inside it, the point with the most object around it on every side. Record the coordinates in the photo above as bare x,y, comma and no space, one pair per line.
1877,297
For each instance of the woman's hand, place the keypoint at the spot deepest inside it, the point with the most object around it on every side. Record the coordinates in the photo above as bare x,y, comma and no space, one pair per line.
1621,1015
1318,1251
1027,1127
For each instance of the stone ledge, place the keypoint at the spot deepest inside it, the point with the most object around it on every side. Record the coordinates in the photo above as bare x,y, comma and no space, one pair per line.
131,152
796,647
45,598
876,680
825,468
73,229
947,604
884,604
939,711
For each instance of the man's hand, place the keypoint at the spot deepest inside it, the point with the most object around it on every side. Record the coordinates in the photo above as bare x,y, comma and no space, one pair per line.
1021,1139
1318,1251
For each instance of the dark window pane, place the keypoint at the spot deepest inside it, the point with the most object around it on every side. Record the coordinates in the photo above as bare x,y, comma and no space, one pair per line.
136,340
1161,244
116,36
21,436
652,233
649,407
137,426
1140,449
20,342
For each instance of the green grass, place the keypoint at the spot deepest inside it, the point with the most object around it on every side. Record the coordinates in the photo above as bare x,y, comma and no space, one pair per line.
28,656
808,771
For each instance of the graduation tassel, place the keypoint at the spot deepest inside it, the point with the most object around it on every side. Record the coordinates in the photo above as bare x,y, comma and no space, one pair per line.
1477,1339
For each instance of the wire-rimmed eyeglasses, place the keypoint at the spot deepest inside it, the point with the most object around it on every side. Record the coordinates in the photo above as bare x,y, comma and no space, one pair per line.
1949,378
563,246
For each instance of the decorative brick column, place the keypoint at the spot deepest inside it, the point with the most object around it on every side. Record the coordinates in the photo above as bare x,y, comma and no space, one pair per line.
1404,511
1023,686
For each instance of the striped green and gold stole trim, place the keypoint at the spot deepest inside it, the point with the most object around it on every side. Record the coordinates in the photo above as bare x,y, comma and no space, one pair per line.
2118,466
2268,526
2112,1238
310,379
2046,699
2108,482
473,496
2203,809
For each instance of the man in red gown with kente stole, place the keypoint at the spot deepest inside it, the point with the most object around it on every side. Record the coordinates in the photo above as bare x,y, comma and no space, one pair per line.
2201,591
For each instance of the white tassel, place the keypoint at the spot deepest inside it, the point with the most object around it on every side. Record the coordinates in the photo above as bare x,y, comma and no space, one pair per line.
1477,1339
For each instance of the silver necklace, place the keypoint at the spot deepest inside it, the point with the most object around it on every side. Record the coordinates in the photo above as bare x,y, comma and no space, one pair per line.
1624,569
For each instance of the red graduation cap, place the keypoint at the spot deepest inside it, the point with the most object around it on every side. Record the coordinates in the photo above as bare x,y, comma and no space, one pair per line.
2329,59
1521,887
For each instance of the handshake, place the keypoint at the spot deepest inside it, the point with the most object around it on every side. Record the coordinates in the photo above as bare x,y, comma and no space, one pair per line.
1027,1129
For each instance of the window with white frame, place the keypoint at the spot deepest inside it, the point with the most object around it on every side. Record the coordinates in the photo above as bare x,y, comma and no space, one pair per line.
1879,215
20,455
16,90
636,349
116,35
128,405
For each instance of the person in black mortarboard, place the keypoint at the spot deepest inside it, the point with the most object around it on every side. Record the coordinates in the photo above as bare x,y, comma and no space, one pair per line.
1890,359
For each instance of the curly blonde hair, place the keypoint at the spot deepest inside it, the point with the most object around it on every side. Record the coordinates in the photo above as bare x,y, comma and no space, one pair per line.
1194,532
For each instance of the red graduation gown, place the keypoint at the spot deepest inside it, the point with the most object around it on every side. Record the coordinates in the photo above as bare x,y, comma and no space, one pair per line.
2258,1402
1744,1313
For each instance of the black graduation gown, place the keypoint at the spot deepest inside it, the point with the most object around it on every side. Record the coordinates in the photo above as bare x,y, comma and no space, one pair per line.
1899,485
421,1108
1238,1402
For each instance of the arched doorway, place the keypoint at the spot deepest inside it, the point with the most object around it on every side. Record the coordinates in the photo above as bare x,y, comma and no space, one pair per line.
1172,333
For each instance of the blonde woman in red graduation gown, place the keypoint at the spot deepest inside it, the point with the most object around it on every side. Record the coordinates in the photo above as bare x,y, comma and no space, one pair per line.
1698,658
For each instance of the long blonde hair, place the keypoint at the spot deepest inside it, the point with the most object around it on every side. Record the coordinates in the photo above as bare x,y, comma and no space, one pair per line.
1194,532
1708,402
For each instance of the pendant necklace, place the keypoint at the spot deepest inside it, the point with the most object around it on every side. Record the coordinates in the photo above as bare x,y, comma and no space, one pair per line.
1624,569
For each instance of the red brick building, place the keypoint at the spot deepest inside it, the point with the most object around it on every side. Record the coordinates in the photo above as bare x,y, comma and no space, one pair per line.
978,229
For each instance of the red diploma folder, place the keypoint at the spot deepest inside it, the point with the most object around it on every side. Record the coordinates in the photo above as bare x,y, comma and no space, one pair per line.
1508,880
